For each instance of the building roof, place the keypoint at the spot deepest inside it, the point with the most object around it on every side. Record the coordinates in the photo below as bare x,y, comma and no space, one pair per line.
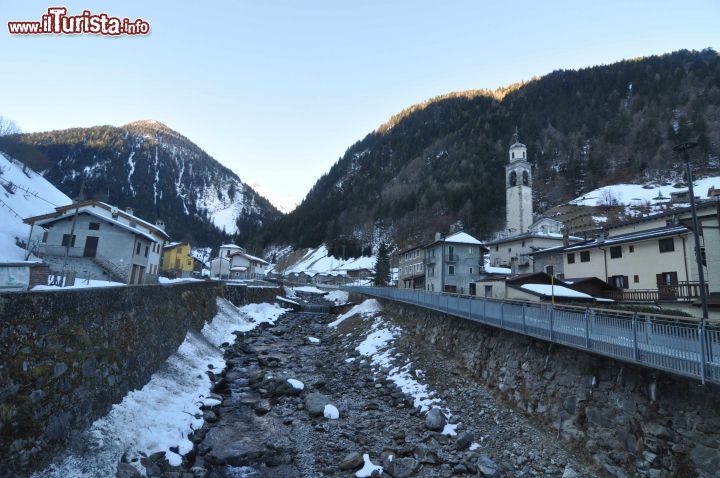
531,235
230,246
61,210
110,220
249,257
547,291
629,237
172,245
459,238
699,205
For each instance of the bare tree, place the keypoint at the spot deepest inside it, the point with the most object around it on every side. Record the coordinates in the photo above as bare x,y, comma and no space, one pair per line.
8,126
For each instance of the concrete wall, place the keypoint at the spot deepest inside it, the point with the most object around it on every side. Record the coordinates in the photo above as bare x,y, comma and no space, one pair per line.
632,421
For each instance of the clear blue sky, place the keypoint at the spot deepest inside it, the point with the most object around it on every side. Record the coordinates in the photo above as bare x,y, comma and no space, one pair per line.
278,90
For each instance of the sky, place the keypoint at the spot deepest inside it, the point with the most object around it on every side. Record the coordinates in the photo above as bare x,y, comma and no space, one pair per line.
278,90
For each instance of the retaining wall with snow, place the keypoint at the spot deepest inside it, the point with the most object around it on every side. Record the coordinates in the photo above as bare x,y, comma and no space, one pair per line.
631,420
66,356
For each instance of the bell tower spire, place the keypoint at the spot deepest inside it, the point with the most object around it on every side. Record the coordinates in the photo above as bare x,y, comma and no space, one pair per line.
518,189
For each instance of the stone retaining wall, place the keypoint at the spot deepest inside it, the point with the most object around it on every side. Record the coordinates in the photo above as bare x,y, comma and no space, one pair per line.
66,356
632,421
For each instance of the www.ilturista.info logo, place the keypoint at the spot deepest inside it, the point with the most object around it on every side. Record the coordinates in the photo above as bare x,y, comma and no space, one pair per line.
58,22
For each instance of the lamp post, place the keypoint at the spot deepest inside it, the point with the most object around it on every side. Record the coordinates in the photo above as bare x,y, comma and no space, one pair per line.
684,148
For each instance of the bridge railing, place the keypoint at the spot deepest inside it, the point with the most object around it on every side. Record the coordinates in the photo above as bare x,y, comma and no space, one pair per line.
671,344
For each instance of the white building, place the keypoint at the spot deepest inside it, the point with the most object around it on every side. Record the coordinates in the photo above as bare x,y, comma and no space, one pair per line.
518,190
94,240
245,266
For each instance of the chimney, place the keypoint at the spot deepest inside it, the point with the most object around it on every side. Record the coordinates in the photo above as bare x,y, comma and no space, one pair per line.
566,237
160,224
600,238
438,236
129,210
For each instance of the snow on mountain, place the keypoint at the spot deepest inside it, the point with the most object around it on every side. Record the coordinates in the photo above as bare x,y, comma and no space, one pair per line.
24,193
640,195
318,260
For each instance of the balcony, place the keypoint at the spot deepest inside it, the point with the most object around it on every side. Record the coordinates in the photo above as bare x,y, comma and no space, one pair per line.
451,258
430,260
682,291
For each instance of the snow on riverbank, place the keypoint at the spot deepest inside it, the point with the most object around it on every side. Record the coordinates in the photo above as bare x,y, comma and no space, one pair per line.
164,412
366,308
377,346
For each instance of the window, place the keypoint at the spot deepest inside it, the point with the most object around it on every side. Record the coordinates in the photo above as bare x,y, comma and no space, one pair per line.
471,271
470,250
147,249
615,252
94,226
137,249
621,282
496,248
636,278
549,270
631,248
585,256
667,245
525,176
451,253
571,258
667,278
451,270
45,235
67,241
488,291
509,249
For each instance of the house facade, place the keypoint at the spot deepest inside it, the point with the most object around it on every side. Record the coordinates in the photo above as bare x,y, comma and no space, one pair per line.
176,260
97,241
246,266
454,263
411,273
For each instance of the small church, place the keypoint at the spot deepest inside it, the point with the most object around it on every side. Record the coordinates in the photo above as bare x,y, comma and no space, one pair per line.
523,234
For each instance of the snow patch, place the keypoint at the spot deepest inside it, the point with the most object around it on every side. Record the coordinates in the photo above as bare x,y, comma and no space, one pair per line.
367,307
331,412
368,468
296,384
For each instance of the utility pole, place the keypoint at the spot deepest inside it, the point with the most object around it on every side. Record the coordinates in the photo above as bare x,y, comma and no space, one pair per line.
684,148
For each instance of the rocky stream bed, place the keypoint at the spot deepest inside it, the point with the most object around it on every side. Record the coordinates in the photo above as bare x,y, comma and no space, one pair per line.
357,398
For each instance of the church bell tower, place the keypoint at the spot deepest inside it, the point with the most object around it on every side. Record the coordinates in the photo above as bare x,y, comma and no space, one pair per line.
518,189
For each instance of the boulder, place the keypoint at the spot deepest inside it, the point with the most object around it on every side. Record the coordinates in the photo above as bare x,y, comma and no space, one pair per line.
315,404
351,461
486,466
464,440
425,455
401,467
435,420
126,470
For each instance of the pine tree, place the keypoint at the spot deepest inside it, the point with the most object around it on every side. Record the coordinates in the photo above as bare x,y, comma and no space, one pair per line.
382,266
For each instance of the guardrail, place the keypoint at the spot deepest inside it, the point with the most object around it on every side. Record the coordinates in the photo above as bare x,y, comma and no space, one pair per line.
655,341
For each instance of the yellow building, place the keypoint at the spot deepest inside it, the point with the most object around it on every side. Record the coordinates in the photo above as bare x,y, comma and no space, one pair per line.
176,260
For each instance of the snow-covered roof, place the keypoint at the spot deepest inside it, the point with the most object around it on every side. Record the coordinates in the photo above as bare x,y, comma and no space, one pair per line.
462,238
238,269
230,246
497,270
547,290
249,257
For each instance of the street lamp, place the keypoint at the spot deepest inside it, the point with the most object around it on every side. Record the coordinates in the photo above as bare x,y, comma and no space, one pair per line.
684,148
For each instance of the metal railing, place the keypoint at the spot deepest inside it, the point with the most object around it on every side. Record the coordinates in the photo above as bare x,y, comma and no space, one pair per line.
682,291
671,344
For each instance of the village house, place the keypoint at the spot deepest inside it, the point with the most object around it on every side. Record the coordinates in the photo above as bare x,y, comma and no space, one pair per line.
246,266
537,286
94,240
652,259
454,263
176,260
411,273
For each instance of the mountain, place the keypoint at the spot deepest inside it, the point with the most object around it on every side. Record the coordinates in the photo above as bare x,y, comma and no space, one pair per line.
442,161
153,169
23,193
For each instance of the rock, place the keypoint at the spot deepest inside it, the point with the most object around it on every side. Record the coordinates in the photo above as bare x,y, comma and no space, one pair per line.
425,455
126,470
351,461
459,469
262,407
278,387
435,420
486,466
401,467
315,404
464,440
569,472
210,416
